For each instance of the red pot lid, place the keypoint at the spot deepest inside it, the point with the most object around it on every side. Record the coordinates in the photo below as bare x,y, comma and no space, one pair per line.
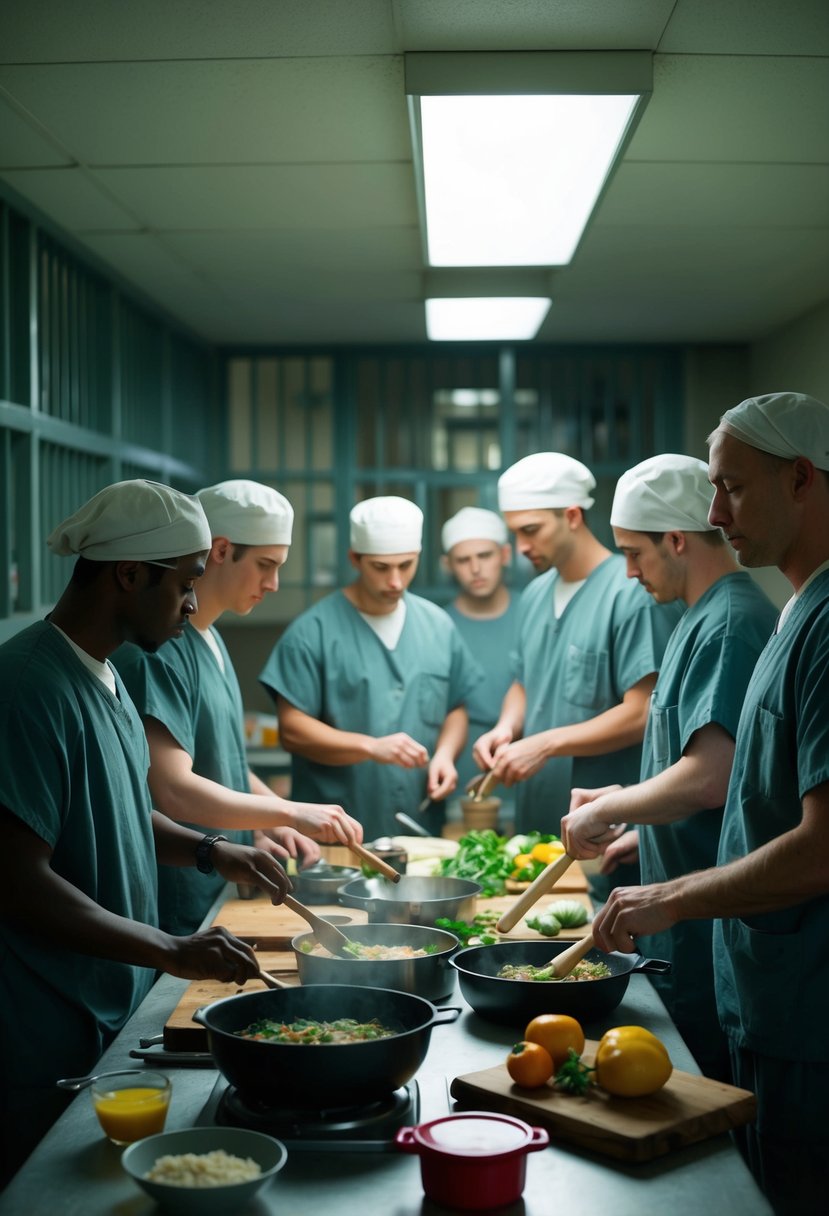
475,1133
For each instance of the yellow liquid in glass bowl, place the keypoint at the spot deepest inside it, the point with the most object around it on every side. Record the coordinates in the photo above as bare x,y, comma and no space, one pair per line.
131,1114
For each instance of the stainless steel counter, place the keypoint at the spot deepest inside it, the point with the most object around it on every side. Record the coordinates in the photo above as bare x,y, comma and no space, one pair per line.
75,1172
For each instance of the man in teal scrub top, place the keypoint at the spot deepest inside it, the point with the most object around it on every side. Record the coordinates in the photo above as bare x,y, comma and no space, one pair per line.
590,645
371,683
189,700
660,524
476,553
79,942
769,464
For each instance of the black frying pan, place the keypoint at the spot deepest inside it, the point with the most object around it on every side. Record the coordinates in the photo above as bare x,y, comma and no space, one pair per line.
331,1074
515,1002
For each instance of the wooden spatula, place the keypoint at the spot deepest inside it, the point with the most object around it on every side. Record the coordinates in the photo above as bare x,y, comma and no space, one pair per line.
564,963
540,886
375,862
326,933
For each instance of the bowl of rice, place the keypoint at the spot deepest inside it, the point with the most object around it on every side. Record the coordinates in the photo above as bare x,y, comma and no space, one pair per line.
204,1171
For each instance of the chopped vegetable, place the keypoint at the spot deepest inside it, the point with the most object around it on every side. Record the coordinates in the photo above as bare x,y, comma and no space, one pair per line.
569,913
471,933
306,1031
490,859
581,971
574,1076
546,924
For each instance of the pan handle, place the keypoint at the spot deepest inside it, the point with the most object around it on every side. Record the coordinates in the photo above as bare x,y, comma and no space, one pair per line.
450,1013
653,966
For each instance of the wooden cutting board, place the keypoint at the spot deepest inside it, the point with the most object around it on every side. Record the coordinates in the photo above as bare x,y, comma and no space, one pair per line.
521,932
686,1110
181,1033
258,922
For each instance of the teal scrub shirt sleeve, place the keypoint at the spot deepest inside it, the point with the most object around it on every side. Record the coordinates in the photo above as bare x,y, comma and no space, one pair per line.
161,692
294,670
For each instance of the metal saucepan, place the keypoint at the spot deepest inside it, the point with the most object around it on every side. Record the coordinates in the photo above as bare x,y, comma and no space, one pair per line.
319,883
429,976
412,901
515,1002
330,1074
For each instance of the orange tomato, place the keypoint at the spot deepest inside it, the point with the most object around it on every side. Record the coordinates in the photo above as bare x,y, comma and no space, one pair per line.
556,1033
529,1065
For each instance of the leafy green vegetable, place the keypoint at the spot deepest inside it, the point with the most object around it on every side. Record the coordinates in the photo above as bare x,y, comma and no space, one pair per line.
474,932
573,1077
546,924
568,912
481,858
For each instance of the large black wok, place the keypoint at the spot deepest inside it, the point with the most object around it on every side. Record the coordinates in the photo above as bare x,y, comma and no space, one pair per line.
330,1074
515,1002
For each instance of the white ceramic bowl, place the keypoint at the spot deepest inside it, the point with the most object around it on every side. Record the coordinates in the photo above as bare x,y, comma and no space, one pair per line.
139,1158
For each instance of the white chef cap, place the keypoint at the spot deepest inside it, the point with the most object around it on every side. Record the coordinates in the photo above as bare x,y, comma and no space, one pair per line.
784,424
386,525
664,494
247,513
473,523
545,479
134,521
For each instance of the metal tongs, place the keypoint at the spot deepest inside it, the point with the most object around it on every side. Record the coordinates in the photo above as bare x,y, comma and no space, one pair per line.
480,786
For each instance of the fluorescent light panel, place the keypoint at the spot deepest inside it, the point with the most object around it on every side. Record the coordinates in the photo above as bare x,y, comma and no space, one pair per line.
512,180
483,319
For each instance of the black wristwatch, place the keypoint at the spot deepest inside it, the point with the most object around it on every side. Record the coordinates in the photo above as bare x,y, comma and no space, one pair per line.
203,851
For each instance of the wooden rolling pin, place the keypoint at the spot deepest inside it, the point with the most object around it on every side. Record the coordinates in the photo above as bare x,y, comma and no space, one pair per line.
538,887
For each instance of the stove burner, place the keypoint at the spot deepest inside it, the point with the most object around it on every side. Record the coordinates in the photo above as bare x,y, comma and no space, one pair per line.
370,1127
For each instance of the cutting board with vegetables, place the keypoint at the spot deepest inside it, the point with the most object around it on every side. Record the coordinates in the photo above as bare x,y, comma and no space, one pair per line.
687,1109
260,923
498,904
181,1033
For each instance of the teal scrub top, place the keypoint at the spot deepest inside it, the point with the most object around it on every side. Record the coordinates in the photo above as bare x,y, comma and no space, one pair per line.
183,687
772,970
610,636
704,675
492,642
73,768
332,666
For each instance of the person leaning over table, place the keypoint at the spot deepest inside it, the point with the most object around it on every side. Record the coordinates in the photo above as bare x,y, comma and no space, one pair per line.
476,553
189,699
769,465
660,524
370,684
79,941
589,646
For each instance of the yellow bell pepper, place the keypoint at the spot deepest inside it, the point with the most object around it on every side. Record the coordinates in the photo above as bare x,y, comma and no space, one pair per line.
632,1062
520,861
547,852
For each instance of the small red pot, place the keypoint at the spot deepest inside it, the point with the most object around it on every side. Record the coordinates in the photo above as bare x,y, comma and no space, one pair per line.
473,1160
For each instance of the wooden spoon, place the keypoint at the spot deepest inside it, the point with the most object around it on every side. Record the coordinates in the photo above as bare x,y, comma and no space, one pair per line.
326,933
375,862
564,963
538,887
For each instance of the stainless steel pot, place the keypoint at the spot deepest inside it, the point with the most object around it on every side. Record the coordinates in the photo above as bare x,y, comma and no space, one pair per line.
413,900
320,883
430,976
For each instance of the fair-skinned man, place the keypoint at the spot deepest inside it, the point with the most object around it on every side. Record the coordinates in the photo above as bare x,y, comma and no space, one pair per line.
660,524
367,657
78,914
589,648
477,554
769,466
191,706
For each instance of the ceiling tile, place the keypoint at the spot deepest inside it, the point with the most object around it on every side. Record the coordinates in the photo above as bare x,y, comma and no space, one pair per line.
22,145
336,251
69,197
748,27
220,112
304,196
45,31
